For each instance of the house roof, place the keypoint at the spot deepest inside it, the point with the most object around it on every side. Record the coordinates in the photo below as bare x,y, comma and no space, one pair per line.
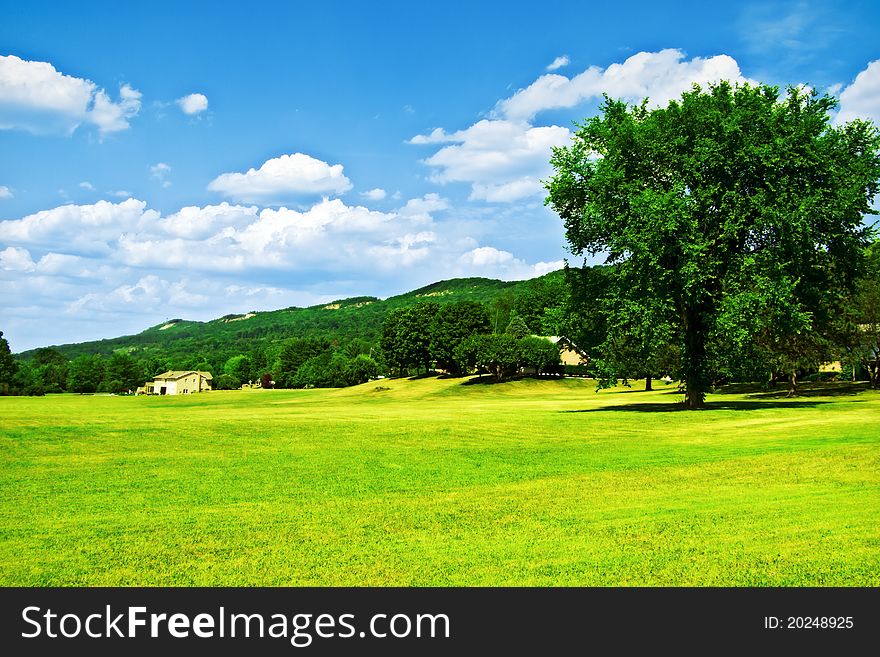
173,375
556,339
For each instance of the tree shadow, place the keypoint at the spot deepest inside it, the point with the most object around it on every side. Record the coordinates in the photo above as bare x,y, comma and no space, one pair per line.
487,380
710,406
807,389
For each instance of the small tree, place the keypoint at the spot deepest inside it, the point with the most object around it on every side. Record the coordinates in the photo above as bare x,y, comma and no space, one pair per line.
517,327
538,353
454,323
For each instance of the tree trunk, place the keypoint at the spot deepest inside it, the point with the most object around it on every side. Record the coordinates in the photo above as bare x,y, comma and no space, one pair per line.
792,384
694,356
648,387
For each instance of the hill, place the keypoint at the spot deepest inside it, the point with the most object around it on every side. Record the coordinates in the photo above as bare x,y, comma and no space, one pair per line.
343,320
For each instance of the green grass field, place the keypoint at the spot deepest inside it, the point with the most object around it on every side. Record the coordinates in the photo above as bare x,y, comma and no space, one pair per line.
432,482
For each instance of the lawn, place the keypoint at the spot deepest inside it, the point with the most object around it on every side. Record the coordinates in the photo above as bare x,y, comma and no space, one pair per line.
434,482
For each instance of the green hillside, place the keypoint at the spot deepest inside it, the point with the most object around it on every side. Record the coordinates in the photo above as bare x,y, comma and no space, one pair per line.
342,321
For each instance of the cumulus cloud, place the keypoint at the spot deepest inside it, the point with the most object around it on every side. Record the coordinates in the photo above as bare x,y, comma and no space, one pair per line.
502,160
5,192
192,104
503,264
283,178
85,184
16,259
559,62
118,267
79,228
660,76
861,99
505,156
376,194
35,97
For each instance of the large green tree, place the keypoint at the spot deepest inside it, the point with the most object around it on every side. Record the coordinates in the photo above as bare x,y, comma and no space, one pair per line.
715,204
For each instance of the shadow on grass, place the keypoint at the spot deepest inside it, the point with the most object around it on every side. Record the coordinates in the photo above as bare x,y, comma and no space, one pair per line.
710,406
488,379
808,389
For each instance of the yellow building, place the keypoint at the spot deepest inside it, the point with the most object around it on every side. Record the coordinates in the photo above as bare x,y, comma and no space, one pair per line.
178,382
569,352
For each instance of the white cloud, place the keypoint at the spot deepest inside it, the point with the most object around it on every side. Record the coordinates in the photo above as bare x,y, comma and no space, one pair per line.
79,228
35,97
16,259
193,104
660,76
283,178
85,184
505,156
160,172
559,62
861,99
436,136
376,194
5,192
485,260
502,160
486,256
197,223
120,193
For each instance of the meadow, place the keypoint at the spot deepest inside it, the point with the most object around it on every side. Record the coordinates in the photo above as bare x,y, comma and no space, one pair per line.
438,482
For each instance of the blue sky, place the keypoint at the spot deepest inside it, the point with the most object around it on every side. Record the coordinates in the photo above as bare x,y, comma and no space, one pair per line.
166,160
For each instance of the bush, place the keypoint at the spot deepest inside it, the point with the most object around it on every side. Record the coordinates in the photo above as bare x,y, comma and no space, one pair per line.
227,382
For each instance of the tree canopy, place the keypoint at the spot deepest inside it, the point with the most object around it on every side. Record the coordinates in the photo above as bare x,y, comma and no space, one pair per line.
728,200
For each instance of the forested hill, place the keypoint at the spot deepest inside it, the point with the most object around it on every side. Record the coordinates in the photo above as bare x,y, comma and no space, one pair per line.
357,318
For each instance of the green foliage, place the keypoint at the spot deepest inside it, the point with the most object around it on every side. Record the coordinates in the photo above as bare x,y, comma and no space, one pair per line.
85,374
240,367
538,353
726,199
360,369
123,373
517,327
453,324
406,338
497,353
227,382
536,297
8,367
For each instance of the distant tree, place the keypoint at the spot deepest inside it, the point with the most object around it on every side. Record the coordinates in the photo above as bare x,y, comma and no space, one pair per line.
85,373
8,367
123,372
498,354
454,323
240,367
499,311
539,295
326,370
723,198
266,381
51,368
517,327
538,353
294,353
360,369
859,336
405,337
27,380
227,382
